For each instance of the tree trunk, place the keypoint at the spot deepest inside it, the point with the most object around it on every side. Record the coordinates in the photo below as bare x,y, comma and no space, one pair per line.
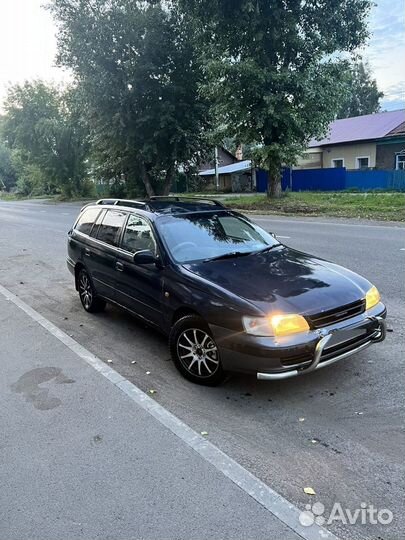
168,180
146,181
274,190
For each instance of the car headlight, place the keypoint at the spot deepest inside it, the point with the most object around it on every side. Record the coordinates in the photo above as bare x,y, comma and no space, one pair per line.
372,297
275,325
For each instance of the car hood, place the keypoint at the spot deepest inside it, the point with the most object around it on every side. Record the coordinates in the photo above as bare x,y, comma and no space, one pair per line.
284,279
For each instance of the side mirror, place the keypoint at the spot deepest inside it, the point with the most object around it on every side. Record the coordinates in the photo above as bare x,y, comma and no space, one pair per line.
145,256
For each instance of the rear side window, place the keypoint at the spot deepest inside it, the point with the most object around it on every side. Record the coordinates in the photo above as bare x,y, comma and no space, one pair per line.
86,220
110,229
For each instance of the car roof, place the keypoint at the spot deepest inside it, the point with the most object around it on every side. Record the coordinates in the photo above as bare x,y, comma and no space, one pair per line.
172,205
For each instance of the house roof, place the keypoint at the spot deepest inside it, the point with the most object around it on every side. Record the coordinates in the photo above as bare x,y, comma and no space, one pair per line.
227,169
361,128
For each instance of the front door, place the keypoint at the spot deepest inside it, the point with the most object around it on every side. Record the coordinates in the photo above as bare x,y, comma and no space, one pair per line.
139,287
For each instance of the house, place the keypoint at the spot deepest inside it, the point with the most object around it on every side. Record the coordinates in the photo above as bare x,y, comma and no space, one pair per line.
224,158
237,177
234,173
372,141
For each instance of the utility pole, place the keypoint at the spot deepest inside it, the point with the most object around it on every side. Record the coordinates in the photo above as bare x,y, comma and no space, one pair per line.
216,168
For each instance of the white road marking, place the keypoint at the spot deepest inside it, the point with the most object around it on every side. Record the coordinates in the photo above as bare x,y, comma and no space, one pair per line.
277,505
279,236
401,249
331,223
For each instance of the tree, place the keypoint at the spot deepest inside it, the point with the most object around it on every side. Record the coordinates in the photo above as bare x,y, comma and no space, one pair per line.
8,174
43,127
363,96
274,68
139,74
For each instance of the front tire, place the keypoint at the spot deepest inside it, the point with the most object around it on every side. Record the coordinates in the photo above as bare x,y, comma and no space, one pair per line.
88,296
194,351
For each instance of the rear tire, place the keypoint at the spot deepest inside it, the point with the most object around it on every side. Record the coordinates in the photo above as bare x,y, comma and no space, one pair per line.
88,296
194,351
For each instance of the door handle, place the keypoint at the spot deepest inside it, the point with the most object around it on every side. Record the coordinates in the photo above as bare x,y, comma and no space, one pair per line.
119,266
87,252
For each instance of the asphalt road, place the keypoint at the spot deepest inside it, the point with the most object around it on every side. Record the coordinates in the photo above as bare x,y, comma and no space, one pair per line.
353,410
80,460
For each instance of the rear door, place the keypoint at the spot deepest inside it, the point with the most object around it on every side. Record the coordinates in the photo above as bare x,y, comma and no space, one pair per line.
102,251
78,237
139,287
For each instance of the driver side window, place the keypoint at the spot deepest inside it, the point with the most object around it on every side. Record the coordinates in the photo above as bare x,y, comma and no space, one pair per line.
138,235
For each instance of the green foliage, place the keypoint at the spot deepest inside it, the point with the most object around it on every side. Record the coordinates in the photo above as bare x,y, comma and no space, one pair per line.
139,75
367,205
8,174
362,95
42,127
273,69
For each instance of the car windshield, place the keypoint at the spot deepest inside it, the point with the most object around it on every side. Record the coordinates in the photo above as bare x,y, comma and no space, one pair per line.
205,236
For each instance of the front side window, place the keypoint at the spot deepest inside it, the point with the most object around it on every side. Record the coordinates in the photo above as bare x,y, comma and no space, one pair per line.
204,236
109,230
138,235
86,220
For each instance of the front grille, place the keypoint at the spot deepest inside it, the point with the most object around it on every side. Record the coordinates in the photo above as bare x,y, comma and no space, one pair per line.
297,359
319,320
347,346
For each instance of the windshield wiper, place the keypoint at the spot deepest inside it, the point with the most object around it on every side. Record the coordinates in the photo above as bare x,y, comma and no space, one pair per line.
267,248
230,255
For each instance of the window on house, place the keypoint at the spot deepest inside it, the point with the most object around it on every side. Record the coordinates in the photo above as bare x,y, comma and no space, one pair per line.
363,162
338,162
400,162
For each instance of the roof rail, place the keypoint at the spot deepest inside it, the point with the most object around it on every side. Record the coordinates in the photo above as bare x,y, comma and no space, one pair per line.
179,198
123,202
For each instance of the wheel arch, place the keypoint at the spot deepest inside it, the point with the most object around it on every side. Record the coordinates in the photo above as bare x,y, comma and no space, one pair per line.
78,266
182,312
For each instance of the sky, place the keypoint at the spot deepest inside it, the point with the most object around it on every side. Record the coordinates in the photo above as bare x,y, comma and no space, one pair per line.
28,47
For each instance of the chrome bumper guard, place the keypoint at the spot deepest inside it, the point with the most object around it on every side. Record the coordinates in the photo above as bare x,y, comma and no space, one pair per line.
378,335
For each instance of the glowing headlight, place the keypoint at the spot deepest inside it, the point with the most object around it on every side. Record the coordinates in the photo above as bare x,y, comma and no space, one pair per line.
372,297
275,325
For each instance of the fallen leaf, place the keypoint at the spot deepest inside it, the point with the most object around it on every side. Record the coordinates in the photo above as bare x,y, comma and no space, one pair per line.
309,491
152,391
204,432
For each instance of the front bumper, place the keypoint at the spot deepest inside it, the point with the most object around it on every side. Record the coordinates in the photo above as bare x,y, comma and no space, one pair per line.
282,358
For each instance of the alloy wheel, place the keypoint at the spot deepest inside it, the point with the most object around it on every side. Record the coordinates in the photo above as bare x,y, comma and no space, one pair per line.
197,352
85,290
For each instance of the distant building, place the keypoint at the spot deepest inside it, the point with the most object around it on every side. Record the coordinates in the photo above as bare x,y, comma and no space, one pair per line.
224,158
234,174
372,141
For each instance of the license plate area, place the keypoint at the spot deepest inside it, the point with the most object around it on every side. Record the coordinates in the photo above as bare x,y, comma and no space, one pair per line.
342,336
